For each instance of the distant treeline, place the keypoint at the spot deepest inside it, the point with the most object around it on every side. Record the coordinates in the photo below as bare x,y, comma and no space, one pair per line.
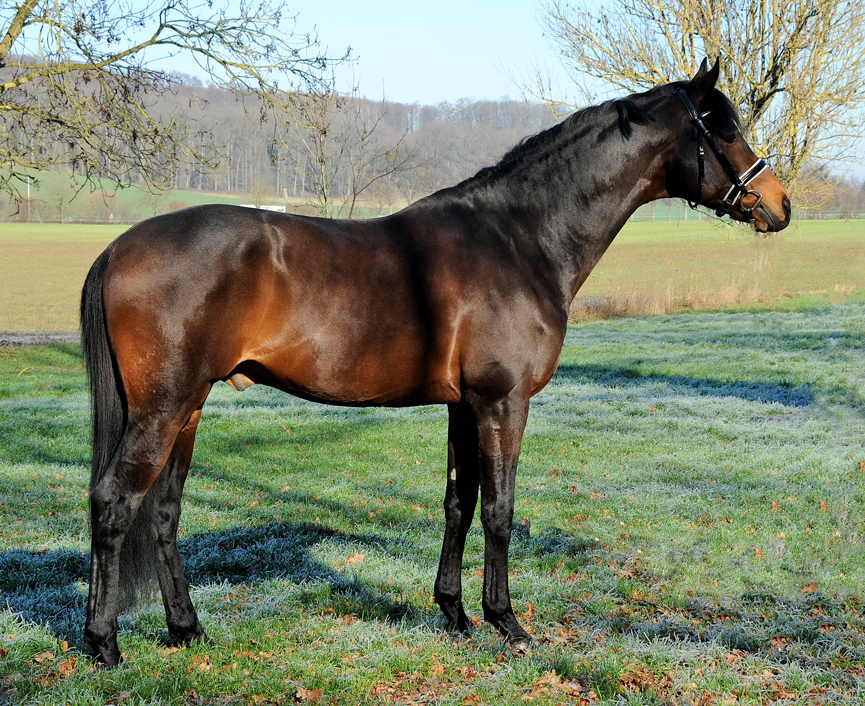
449,142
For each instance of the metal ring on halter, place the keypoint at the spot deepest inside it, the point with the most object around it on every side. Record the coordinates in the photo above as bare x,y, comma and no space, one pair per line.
750,209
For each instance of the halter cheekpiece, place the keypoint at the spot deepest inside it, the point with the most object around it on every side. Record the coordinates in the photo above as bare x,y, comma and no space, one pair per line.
739,189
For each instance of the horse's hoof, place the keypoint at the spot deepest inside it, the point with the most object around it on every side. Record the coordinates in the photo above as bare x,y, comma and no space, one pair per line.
107,653
455,614
518,639
186,637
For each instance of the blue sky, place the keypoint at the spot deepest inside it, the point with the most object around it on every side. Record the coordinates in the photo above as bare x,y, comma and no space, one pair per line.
427,52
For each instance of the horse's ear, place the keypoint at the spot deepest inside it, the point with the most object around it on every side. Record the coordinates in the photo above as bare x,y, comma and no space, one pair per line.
704,81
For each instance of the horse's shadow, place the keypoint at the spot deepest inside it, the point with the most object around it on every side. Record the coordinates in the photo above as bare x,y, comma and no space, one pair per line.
48,588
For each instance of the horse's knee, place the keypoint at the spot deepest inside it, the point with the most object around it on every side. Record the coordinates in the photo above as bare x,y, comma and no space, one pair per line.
497,518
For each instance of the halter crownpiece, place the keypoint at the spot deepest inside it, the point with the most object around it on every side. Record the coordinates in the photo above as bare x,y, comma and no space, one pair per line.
739,189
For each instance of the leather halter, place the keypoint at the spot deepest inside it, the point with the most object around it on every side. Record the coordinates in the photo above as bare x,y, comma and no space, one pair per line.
739,189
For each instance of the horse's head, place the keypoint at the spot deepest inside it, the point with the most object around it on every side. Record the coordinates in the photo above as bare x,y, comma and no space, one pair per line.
714,166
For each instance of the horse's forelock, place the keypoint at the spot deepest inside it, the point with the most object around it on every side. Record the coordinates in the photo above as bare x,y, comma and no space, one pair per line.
723,120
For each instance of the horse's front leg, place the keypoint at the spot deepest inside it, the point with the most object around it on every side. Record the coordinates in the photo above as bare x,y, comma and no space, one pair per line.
461,497
500,431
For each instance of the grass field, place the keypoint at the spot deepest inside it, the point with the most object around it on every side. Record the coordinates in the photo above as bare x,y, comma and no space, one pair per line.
694,491
662,268
651,268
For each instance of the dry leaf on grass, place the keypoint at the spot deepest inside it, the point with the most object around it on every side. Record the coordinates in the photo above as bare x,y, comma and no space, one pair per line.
67,668
308,695
47,680
200,662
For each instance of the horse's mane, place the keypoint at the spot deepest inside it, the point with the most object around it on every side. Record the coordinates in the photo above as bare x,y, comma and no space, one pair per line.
723,120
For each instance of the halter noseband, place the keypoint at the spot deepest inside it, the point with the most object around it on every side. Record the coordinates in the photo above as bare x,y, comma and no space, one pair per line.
739,190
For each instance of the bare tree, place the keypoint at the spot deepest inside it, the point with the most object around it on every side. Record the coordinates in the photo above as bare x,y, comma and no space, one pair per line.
341,146
794,68
78,88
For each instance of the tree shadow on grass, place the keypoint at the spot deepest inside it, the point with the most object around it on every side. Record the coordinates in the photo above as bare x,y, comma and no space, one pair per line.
49,588
781,393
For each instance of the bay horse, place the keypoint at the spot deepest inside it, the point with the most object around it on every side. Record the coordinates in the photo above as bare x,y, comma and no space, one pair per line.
461,299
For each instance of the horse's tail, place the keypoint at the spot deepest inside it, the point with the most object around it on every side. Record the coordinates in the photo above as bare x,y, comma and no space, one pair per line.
108,419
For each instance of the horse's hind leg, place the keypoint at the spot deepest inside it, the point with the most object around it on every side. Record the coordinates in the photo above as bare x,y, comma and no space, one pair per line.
461,498
115,499
183,625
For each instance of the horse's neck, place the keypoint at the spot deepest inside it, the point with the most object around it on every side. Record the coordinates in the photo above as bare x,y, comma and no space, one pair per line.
576,202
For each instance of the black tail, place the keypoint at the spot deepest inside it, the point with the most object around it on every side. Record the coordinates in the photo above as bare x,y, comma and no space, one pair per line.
109,413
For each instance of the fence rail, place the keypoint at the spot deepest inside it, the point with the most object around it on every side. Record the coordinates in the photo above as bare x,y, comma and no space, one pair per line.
678,210
663,210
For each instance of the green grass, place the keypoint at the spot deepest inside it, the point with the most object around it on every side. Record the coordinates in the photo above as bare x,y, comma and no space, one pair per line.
650,268
692,484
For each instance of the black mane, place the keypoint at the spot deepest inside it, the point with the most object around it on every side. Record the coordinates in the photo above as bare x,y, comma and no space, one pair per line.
723,120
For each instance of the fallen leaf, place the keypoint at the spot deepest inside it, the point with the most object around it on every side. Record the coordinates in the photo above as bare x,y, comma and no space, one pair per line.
200,662
47,680
67,668
758,553
810,587
823,505
308,694
356,558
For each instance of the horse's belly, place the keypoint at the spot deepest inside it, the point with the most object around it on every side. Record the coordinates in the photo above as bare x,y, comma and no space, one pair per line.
359,373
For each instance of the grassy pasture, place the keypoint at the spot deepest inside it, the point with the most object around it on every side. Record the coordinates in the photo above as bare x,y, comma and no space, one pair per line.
651,268
662,268
42,270
693,487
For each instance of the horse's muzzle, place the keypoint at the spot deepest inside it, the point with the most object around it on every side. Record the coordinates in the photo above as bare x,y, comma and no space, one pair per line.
768,221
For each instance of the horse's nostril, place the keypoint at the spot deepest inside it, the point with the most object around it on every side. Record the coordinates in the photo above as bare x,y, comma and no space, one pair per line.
786,206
